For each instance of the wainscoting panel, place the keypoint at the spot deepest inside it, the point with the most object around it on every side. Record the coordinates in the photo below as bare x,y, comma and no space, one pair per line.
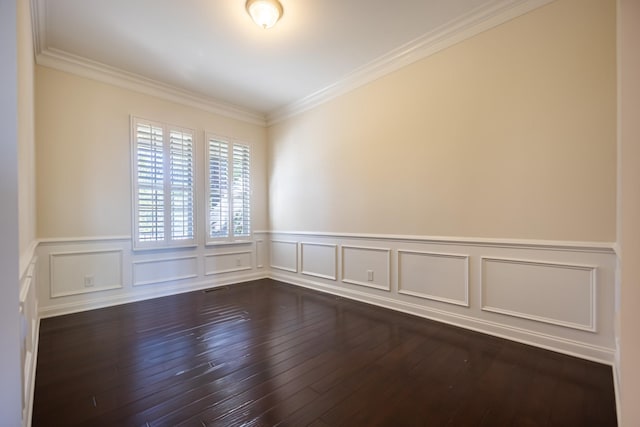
560,294
435,276
82,272
65,265
260,255
29,336
227,262
164,270
284,255
555,295
319,260
367,266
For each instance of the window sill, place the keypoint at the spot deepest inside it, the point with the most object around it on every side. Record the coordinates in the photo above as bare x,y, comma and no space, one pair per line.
228,243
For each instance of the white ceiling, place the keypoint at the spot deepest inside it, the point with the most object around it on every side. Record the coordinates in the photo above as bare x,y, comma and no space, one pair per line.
211,48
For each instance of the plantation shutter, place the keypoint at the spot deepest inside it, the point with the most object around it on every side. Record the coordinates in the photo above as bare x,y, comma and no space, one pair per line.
163,185
150,182
228,190
241,190
181,184
218,188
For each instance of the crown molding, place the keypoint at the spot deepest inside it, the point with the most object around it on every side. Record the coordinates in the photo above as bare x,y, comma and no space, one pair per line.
83,67
447,35
453,32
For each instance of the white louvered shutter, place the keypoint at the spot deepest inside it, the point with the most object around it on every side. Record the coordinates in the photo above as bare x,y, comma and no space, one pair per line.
150,182
164,186
228,190
181,183
218,203
241,190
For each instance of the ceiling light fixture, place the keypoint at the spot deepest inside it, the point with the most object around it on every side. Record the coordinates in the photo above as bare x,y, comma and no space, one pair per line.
265,13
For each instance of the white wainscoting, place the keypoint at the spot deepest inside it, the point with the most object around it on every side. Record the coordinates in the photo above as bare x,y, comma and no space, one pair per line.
555,295
227,262
560,294
319,260
260,253
284,255
367,266
80,272
29,334
436,276
155,271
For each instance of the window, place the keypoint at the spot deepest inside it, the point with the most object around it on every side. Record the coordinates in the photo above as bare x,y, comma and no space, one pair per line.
163,185
228,190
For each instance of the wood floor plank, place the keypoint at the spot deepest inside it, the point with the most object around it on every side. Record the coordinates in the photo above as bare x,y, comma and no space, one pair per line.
264,353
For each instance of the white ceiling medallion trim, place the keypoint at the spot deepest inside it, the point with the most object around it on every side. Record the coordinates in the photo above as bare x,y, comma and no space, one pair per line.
83,67
453,32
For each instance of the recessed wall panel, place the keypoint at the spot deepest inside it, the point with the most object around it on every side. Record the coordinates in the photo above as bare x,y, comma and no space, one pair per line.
367,266
434,276
561,294
227,262
164,270
82,272
284,255
319,260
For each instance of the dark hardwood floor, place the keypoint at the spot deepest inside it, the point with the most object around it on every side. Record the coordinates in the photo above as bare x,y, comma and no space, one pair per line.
264,353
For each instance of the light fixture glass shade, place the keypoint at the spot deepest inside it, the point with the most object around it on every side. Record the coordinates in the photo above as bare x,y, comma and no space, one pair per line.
265,13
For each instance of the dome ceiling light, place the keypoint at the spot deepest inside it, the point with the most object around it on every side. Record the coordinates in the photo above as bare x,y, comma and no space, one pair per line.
265,13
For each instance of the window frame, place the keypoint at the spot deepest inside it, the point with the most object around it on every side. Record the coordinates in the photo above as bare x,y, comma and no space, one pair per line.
168,242
230,238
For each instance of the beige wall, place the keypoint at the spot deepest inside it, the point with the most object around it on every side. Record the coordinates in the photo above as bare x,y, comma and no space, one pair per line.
509,134
629,210
83,153
26,137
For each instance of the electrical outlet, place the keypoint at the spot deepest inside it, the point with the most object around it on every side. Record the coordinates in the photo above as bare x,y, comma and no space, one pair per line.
238,262
89,281
370,275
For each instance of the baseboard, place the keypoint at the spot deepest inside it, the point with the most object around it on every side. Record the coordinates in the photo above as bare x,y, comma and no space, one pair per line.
616,388
565,346
31,381
109,301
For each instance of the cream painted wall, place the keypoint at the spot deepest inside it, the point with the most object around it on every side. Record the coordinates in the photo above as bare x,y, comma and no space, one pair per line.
83,153
509,134
26,134
629,210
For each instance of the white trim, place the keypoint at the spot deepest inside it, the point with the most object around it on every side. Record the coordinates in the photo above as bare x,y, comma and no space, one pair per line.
322,276
447,35
152,293
574,348
230,270
26,257
367,284
164,280
443,37
58,240
213,244
80,66
591,327
52,255
31,381
290,242
463,303
559,245
259,242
